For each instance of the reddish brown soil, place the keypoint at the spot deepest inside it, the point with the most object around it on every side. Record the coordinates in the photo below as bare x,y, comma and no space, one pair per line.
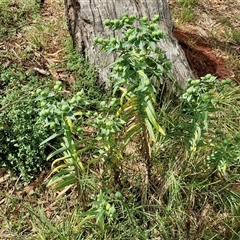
202,59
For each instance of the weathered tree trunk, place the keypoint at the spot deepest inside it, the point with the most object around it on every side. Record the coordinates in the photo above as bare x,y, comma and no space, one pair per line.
85,21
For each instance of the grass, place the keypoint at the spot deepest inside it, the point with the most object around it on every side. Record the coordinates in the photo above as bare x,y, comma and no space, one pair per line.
225,21
184,11
236,36
84,74
188,3
187,15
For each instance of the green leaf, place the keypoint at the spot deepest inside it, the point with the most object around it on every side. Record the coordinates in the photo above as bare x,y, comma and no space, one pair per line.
150,130
52,137
150,106
153,46
152,119
117,84
129,113
130,104
100,219
63,179
151,116
47,223
141,45
197,134
205,121
86,149
60,150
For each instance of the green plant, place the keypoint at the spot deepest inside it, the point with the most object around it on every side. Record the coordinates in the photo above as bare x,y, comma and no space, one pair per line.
140,62
58,114
49,226
236,35
9,76
208,129
225,21
202,101
116,216
188,3
66,117
187,15
84,75
184,10
181,178
101,210
133,74
14,15
20,134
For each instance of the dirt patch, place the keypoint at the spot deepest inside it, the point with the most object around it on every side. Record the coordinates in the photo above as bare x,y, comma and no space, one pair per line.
215,32
202,59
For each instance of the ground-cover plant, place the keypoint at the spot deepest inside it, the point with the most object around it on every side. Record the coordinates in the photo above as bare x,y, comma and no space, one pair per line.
188,3
20,134
236,35
83,76
71,121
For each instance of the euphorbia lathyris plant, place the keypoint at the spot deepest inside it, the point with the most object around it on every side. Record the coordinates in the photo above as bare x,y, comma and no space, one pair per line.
137,73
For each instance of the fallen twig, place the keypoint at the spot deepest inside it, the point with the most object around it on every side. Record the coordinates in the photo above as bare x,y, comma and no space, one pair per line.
11,103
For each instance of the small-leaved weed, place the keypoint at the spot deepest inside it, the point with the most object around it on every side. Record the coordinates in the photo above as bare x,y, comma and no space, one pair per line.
84,74
20,133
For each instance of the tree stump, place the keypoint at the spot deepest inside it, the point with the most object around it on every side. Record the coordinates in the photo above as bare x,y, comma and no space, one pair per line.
85,21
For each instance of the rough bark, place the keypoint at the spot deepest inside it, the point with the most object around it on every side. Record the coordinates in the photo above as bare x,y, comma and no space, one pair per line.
85,21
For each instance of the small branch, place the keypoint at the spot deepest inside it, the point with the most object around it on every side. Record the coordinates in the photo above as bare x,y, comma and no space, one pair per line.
11,103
